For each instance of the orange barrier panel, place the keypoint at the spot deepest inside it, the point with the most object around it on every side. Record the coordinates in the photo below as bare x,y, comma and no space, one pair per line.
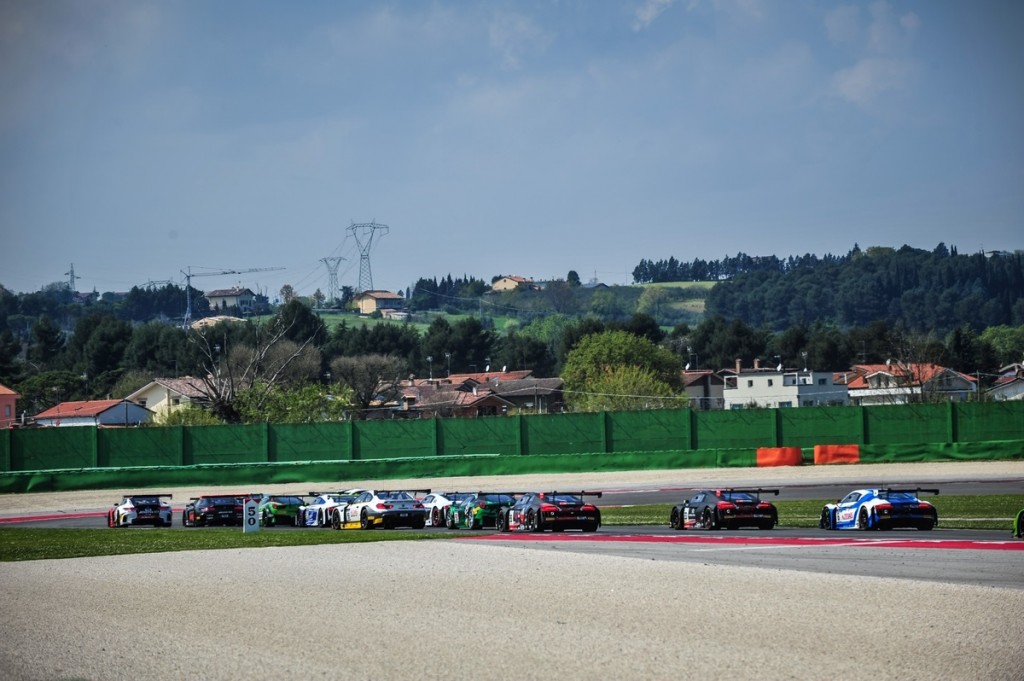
779,456
825,454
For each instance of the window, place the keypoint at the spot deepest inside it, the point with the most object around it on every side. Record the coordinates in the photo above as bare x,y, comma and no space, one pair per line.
821,381
750,383
175,401
142,402
783,405
807,403
770,383
7,410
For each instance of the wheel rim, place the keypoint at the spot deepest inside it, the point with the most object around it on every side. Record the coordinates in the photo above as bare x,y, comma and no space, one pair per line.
674,521
435,517
863,519
364,520
709,520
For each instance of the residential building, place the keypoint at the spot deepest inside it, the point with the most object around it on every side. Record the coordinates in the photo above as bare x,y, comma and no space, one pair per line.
1009,385
705,389
481,394
8,407
369,302
512,282
95,413
163,395
241,299
780,387
902,383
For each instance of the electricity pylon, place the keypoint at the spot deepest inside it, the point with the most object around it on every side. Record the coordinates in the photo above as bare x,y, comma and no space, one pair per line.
332,263
363,233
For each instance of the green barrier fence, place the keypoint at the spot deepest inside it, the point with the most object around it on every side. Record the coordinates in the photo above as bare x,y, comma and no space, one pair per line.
922,427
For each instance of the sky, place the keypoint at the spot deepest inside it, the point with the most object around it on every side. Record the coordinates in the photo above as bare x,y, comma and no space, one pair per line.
143,140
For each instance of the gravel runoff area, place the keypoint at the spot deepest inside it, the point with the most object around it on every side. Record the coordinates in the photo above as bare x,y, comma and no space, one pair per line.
458,608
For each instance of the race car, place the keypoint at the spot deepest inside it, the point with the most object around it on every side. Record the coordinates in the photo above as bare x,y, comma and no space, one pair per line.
1018,525
317,512
712,509
215,509
880,509
279,509
438,504
384,508
140,509
479,510
555,511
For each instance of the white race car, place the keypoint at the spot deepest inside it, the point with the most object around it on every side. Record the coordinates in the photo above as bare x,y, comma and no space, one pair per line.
438,503
317,513
386,508
141,509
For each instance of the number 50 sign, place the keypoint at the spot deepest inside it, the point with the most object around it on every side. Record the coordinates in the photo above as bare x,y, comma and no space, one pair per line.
251,516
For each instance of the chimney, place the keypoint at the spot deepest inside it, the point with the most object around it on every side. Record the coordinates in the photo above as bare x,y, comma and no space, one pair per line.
757,363
739,365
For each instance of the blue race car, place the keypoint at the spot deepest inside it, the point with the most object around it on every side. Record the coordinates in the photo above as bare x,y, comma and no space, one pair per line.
880,509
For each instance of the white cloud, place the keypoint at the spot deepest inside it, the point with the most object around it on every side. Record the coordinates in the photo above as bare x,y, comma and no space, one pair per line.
516,37
843,25
864,82
649,11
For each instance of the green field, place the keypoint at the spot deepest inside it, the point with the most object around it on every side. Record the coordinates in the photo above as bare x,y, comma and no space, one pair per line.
16,543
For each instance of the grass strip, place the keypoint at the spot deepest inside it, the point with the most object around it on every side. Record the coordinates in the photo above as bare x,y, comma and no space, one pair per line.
22,543
989,512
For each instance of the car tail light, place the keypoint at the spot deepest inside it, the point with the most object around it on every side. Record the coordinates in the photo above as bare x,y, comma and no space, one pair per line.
548,508
382,506
725,505
418,505
764,504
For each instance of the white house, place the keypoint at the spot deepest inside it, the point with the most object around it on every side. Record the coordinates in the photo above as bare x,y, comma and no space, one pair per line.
904,383
242,299
781,387
164,395
1009,385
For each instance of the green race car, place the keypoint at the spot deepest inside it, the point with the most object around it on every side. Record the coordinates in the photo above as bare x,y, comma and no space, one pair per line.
279,509
479,510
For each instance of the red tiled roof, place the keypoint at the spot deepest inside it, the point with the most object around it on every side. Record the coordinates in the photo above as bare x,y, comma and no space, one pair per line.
916,373
4,390
78,409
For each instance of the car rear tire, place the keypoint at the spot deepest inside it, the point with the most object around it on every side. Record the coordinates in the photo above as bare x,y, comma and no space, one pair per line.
501,522
590,527
435,517
825,521
336,520
862,520
533,521
364,520
675,521
710,520
926,525
419,523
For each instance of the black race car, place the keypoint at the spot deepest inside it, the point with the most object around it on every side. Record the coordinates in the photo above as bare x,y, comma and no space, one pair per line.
214,509
712,509
555,511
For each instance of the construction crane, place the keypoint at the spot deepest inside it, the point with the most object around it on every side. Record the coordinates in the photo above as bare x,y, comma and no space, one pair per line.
219,273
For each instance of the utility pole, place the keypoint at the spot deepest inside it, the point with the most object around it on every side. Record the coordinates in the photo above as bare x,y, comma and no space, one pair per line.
71,278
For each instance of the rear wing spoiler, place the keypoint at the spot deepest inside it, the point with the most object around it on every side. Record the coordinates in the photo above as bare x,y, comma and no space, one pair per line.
578,494
757,491
907,490
148,494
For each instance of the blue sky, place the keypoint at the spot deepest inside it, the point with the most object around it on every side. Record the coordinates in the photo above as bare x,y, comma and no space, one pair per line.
139,139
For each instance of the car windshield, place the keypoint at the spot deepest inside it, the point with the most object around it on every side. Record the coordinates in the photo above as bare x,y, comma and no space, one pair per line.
221,501
898,496
738,496
396,496
294,501
144,500
498,498
563,499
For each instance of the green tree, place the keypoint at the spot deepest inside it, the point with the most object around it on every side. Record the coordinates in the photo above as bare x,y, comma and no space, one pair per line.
10,348
47,342
305,403
187,415
598,354
369,378
573,279
620,388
